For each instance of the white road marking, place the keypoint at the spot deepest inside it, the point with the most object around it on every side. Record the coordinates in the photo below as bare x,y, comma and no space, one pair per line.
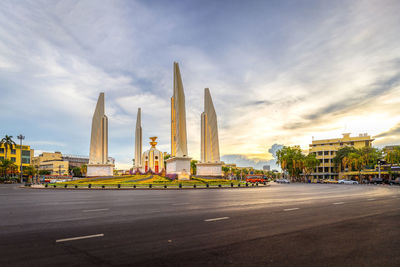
371,199
338,203
290,209
216,219
94,210
180,204
78,238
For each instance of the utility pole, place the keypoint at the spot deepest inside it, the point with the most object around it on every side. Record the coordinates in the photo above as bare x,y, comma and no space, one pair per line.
379,169
20,137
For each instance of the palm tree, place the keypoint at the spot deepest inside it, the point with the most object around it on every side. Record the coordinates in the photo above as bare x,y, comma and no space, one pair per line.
8,143
6,165
310,163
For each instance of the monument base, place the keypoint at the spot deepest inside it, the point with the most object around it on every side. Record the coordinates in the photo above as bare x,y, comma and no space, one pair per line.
179,166
99,170
209,169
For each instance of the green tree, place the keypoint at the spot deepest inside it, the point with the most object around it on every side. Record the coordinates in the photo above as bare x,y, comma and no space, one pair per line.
8,143
76,171
44,172
310,163
340,154
193,166
291,159
7,166
29,170
84,169
225,170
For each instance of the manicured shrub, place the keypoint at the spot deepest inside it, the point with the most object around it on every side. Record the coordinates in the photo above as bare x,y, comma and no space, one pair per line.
149,185
119,186
54,186
165,186
194,186
103,186
46,185
76,186
65,186
207,185
231,184
180,185
219,185
89,185
247,184
134,186
238,185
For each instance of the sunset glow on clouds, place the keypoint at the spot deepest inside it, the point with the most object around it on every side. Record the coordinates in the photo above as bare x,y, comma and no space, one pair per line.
279,72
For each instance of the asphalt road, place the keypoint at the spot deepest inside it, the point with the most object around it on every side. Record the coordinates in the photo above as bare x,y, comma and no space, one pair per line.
280,225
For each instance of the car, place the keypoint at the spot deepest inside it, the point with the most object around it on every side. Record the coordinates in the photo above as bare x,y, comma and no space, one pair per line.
395,181
330,181
344,181
377,181
282,181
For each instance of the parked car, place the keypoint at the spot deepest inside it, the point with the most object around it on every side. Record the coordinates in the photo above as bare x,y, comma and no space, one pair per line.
282,181
344,181
330,181
395,181
377,180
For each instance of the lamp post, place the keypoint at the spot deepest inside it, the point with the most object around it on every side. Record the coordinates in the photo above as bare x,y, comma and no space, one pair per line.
379,169
20,137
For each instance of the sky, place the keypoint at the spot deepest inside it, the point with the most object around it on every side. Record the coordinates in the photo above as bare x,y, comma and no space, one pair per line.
279,72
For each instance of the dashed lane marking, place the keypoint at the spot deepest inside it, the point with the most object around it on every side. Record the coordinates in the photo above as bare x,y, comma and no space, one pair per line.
370,199
180,204
95,210
78,238
216,219
338,203
291,209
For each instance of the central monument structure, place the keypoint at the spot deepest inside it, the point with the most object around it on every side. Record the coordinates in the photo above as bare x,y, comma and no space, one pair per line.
179,163
210,164
98,157
138,141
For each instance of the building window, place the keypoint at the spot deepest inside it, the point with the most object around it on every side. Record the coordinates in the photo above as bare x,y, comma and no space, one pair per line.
2,158
326,160
2,150
13,159
326,152
320,153
13,151
26,160
366,143
352,143
26,153
341,144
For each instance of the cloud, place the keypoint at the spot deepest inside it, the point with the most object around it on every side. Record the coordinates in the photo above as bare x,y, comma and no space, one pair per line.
393,132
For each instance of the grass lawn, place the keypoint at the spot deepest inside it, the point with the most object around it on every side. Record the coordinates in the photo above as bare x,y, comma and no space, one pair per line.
144,181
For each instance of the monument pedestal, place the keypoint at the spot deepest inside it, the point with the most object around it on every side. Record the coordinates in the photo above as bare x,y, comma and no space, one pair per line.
99,170
179,166
209,169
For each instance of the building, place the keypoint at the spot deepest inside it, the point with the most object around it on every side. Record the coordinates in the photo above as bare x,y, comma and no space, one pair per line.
266,168
55,167
77,161
17,154
57,163
325,150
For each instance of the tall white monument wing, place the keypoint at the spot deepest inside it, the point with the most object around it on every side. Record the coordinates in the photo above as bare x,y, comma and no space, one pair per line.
138,140
99,135
209,131
178,117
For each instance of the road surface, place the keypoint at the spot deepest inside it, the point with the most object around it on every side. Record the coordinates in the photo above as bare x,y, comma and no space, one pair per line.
280,225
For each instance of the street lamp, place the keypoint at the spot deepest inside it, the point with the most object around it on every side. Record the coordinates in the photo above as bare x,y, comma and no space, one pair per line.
379,169
20,137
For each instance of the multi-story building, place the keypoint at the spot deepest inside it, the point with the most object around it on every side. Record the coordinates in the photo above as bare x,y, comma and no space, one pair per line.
56,167
17,154
76,161
325,151
266,168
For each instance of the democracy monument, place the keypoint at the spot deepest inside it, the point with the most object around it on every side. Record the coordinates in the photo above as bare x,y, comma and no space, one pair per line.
152,160
98,157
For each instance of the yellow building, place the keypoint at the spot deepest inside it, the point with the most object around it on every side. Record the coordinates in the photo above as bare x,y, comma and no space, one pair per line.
14,154
325,151
52,162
